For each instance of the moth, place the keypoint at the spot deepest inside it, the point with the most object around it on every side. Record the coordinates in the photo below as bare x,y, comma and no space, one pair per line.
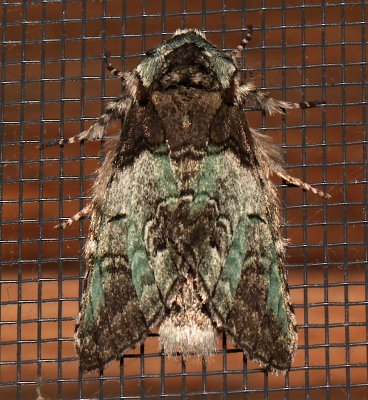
185,230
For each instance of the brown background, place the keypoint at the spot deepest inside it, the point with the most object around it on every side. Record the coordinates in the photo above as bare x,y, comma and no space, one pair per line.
52,85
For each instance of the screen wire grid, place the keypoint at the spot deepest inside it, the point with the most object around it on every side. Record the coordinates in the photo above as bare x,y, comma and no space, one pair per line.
54,84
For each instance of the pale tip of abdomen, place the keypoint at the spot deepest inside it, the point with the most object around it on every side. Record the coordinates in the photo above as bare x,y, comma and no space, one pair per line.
188,339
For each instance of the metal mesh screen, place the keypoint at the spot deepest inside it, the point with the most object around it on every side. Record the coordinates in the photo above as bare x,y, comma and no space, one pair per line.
54,83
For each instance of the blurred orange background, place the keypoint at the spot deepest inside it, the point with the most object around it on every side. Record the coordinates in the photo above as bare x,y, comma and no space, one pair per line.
52,85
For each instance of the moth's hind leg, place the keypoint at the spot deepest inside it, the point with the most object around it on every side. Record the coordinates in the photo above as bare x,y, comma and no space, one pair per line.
297,182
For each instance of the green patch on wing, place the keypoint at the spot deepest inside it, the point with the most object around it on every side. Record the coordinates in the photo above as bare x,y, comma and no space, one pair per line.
96,296
276,299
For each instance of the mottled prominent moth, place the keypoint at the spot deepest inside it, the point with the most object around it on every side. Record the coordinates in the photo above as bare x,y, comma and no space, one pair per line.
185,231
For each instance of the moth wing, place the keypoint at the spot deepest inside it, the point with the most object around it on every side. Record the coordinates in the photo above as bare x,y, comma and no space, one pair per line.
113,314
110,320
260,317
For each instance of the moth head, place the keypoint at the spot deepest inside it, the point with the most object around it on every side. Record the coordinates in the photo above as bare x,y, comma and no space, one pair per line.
187,59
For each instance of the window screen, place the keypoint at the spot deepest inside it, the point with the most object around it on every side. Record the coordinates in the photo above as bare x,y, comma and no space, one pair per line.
54,84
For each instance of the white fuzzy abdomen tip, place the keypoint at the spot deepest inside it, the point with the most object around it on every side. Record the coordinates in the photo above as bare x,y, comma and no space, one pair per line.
187,340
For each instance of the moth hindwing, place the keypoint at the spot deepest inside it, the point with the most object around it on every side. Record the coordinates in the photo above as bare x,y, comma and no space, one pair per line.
185,231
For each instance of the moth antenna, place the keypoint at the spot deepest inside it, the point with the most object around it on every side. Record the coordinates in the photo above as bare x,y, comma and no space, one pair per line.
242,45
76,217
114,71
297,182
247,39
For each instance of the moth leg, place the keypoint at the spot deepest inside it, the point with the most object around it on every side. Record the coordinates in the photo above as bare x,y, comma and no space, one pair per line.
116,109
256,100
114,71
76,217
297,182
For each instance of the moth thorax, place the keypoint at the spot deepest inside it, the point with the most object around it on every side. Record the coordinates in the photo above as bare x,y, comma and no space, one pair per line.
188,329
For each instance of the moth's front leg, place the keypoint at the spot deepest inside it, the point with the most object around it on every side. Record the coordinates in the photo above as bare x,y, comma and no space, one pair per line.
116,109
256,100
